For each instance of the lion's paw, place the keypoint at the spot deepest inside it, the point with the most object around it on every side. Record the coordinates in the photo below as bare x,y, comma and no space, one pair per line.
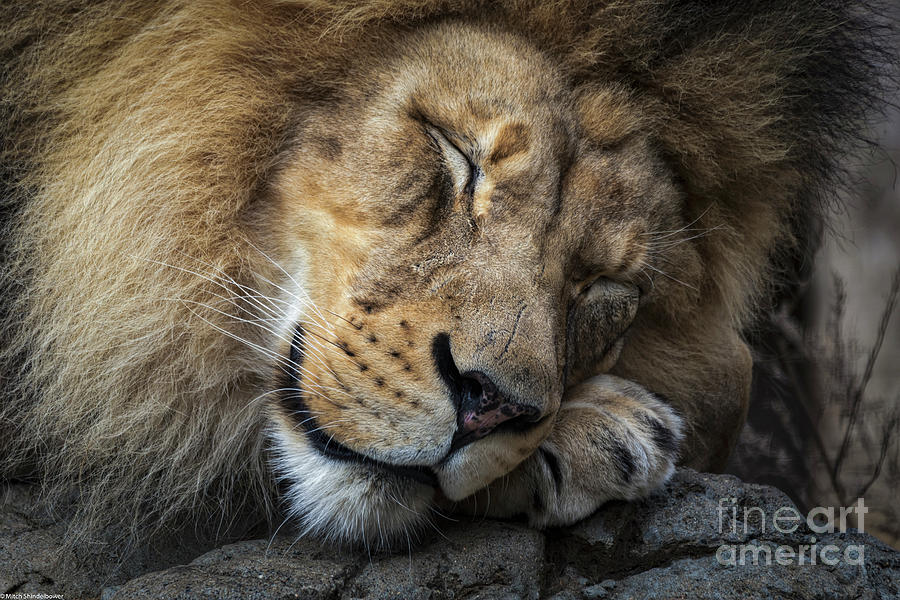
612,440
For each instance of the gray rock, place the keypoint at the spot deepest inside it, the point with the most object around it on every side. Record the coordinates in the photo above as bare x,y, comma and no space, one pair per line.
483,559
713,536
477,560
705,578
34,556
694,515
704,537
250,570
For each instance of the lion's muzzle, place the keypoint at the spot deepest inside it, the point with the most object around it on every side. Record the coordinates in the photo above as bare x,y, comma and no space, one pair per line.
482,407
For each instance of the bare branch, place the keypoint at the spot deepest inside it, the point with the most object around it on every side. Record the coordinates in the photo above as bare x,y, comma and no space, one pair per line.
858,393
887,437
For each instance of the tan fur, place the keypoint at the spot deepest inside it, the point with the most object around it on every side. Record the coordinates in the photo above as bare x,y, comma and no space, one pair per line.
175,164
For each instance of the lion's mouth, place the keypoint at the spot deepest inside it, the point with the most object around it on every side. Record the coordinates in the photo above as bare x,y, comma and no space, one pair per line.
324,443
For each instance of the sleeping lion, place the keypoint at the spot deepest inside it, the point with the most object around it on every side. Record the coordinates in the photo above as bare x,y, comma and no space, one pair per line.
359,262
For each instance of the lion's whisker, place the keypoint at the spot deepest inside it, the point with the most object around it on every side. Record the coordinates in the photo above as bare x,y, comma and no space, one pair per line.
664,274
304,302
312,351
255,295
231,279
289,276
666,245
338,346
284,362
250,321
685,228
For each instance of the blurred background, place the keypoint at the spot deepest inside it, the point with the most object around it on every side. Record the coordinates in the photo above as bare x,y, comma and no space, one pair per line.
825,421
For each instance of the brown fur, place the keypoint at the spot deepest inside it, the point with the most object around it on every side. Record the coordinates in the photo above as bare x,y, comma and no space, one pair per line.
148,143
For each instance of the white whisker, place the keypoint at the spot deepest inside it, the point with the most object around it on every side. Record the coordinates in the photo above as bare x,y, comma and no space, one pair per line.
664,274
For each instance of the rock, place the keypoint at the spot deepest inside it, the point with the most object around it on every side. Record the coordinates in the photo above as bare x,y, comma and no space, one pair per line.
705,578
249,570
481,560
692,516
703,536
35,559
700,538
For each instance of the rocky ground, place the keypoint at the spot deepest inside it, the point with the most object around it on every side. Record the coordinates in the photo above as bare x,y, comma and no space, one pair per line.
670,546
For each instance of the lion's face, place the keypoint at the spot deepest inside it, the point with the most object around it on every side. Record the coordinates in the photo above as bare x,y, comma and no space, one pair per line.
470,240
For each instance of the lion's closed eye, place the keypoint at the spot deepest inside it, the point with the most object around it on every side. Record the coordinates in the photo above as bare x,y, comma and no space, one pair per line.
465,173
598,321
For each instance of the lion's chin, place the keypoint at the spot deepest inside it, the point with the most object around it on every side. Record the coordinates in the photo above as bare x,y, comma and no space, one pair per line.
347,502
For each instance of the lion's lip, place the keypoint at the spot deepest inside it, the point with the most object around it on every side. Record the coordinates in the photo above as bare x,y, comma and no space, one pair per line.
327,445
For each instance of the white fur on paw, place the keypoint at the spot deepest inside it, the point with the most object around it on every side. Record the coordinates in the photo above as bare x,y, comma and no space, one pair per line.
659,432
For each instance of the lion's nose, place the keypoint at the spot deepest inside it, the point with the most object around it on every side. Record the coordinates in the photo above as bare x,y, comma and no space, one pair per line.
481,407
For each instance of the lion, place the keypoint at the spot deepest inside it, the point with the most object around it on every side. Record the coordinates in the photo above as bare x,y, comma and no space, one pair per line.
360,262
